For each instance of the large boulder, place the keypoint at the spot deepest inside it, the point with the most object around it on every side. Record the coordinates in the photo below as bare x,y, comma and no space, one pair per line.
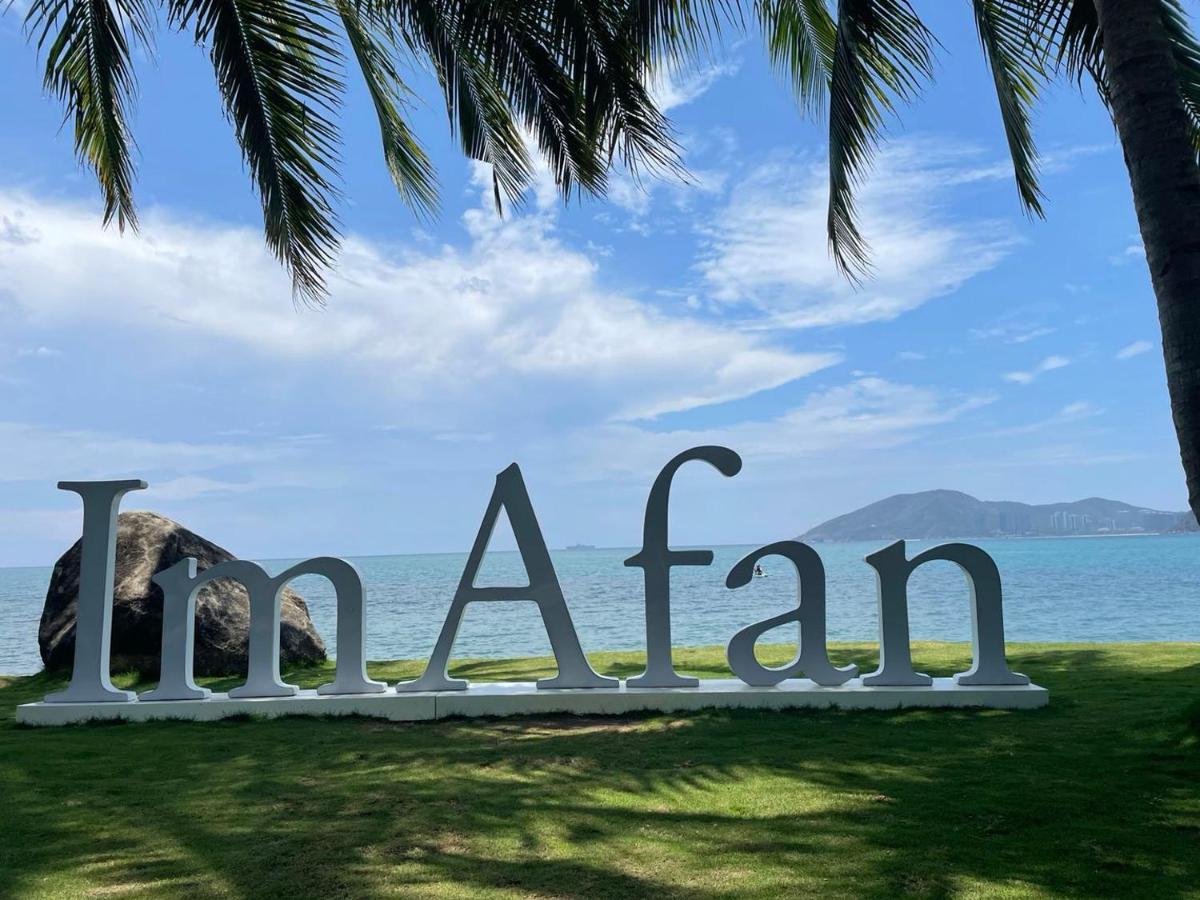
147,543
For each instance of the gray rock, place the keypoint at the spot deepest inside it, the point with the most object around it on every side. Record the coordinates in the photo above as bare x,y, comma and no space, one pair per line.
147,543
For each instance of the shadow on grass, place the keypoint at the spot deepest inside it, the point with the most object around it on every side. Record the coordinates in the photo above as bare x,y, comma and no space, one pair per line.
1099,794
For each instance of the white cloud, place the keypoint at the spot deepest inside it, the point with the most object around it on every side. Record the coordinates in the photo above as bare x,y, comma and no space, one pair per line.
1060,159
38,352
1135,250
515,309
1135,349
637,195
188,487
57,528
768,248
465,437
1012,332
1070,414
35,452
867,414
603,467
1080,409
1049,364
675,86
1064,456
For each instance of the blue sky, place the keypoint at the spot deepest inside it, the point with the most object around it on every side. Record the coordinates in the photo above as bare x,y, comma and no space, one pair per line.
1009,358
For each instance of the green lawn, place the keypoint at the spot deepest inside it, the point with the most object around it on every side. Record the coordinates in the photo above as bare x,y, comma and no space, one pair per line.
1096,795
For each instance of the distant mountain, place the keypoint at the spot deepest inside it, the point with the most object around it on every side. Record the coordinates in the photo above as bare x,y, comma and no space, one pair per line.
953,514
1186,522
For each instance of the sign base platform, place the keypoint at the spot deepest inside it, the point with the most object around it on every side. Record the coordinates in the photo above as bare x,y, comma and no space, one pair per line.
507,698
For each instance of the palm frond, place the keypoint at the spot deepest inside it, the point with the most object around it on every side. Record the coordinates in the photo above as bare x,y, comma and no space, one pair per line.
409,165
545,62
274,62
478,112
675,29
1186,49
88,68
1005,34
800,36
572,73
1072,31
606,49
882,53
1072,28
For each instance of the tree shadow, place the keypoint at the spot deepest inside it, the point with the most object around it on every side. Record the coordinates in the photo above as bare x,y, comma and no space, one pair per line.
1098,794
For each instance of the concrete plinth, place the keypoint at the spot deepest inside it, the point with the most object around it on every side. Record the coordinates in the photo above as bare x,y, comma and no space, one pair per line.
523,698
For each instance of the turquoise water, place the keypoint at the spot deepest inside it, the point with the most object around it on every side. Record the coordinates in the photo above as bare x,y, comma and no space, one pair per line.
1063,589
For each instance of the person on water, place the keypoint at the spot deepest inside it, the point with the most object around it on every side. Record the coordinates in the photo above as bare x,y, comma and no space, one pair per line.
758,572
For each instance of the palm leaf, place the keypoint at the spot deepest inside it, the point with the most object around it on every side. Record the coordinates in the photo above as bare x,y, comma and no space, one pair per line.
607,52
274,62
88,67
410,168
1187,62
881,53
572,73
478,112
545,64
1072,29
800,37
650,36
674,29
1004,33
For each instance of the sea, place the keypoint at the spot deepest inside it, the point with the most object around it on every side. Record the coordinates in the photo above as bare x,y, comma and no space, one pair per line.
1107,588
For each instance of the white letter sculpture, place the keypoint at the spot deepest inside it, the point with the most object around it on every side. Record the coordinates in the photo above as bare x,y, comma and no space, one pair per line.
656,560
543,589
181,583
91,695
90,680
179,586
892,571
812,658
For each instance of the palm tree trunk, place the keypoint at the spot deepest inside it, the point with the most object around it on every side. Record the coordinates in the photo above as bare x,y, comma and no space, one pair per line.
1153,127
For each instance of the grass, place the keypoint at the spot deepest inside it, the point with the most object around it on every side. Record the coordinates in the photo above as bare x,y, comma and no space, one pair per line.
1096,795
